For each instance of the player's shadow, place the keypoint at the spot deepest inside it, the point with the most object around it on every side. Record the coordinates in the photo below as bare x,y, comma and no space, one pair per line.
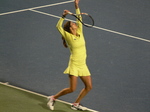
42,101
44,105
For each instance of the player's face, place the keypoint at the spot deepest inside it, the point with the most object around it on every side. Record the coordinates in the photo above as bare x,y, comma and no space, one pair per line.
73,25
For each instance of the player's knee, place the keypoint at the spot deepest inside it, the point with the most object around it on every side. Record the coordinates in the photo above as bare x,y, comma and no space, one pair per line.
72,90
88,88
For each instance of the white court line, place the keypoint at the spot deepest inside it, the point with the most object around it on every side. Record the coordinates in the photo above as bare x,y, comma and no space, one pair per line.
127,35
49,14
7,84
138,38
35,8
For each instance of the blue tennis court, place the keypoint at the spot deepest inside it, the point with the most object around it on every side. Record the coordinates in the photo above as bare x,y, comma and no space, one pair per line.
118,47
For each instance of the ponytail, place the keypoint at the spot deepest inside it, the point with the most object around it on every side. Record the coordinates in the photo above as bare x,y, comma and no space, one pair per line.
66,28
64,43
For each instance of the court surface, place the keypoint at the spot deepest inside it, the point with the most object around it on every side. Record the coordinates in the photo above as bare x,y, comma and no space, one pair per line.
14,99
118,46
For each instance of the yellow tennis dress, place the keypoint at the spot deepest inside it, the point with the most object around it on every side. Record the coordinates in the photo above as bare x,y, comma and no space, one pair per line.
77,63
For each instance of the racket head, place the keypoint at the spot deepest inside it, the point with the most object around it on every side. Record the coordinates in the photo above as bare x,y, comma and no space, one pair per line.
87,20
84,18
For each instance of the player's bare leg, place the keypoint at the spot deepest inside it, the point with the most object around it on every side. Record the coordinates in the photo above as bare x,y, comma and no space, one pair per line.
88,86
72,88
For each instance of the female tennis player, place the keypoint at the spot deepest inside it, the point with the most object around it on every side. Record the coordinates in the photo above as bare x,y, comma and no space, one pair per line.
73,38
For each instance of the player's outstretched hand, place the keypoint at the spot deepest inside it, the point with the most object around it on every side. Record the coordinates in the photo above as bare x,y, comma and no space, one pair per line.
76,2
65,12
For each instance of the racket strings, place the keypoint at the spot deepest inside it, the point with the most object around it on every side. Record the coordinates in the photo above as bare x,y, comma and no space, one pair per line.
87,20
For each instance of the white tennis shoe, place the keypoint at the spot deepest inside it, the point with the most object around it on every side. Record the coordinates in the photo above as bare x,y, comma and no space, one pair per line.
51,102
76,106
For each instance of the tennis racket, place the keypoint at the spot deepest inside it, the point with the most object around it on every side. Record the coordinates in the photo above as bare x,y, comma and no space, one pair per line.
84,18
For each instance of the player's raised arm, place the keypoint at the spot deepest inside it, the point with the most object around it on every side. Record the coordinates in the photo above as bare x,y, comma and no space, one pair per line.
76,2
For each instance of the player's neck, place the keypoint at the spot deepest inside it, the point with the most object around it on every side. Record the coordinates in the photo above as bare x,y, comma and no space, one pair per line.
74,32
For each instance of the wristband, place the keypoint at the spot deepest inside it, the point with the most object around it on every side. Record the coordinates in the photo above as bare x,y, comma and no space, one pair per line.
63,16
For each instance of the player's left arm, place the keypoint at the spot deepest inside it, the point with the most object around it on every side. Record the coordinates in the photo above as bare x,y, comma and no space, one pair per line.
76,2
